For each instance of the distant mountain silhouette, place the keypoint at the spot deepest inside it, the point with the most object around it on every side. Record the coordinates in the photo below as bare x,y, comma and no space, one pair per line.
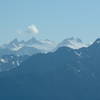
67,74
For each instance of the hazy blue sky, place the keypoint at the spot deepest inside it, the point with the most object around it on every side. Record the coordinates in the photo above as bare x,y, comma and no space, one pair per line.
55,19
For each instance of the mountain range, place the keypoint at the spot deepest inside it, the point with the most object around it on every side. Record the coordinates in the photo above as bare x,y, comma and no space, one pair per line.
66,74
21,49
34,46
30,47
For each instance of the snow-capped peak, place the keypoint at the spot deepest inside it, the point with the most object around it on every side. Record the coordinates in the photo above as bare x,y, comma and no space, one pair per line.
33,41
74,43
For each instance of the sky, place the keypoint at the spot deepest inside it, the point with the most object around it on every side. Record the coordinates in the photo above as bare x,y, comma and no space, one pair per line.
49,19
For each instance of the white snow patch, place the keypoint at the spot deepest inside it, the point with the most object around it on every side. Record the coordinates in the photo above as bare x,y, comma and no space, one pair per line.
3,60
13,62
18,63
77,53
